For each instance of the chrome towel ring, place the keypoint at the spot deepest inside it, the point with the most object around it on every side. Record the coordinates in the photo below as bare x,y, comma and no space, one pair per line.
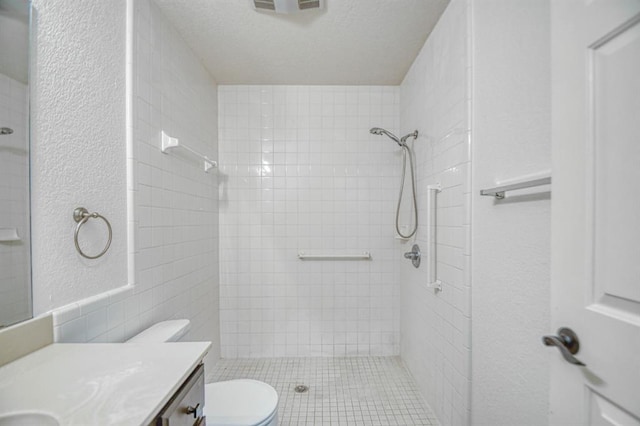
81,216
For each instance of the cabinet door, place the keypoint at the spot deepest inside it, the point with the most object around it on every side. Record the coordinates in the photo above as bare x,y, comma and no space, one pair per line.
186,408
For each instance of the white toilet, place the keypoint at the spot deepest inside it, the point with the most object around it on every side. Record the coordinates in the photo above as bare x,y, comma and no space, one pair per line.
242,402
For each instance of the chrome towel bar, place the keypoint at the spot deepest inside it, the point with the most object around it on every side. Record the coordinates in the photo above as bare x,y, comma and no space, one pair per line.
499,191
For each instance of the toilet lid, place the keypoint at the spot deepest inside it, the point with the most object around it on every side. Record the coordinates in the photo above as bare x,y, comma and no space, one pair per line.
239,402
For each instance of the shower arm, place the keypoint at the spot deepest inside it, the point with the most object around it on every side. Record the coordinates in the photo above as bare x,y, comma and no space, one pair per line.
413,135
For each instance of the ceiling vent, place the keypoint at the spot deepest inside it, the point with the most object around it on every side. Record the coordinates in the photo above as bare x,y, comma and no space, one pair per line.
288,6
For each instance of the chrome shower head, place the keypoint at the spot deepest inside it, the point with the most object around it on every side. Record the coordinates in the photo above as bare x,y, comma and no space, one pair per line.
379,131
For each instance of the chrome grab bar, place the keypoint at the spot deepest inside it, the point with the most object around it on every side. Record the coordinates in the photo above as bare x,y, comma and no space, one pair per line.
365,255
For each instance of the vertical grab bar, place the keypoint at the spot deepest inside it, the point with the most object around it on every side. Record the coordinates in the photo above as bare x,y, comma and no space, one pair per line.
432,271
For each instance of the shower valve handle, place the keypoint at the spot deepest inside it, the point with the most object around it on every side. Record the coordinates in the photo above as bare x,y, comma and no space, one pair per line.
414,255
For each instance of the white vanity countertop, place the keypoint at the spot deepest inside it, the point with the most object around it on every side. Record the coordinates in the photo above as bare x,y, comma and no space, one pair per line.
98,383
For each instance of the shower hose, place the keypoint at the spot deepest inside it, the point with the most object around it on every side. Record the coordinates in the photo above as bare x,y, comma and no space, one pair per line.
406,150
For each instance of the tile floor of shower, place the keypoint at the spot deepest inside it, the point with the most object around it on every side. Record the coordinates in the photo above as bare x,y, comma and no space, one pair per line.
342,391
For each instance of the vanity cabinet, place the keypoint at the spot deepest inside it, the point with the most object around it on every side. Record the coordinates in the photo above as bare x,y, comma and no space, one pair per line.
186,406
139,384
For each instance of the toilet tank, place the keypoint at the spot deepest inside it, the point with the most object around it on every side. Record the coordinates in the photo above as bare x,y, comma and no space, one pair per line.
164,331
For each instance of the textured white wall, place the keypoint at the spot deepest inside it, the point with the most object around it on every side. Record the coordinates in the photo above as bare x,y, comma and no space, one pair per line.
78,147
435,327
15,291
175,202
302,172
511,138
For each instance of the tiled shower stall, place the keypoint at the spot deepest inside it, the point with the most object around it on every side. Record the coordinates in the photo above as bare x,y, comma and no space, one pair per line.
301,173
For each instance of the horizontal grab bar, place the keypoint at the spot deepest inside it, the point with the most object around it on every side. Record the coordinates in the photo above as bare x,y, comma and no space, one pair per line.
499,191
365,255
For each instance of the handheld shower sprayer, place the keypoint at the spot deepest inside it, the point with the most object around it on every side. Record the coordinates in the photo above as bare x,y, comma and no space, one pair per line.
379,131
405,150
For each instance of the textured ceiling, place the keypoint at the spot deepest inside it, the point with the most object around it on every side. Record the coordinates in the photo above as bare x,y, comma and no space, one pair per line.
368,42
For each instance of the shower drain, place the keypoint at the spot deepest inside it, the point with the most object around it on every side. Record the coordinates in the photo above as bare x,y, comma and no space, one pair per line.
301,388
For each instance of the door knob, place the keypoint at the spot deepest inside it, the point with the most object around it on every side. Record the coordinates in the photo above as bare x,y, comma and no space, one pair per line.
568,343
414,255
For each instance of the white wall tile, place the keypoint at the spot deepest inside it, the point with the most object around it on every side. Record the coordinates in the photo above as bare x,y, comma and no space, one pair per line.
302,172
434,326
175,201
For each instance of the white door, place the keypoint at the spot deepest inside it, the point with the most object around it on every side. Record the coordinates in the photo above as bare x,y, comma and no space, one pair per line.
596,210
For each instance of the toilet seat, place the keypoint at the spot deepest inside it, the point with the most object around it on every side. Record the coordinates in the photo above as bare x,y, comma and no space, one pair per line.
241,402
